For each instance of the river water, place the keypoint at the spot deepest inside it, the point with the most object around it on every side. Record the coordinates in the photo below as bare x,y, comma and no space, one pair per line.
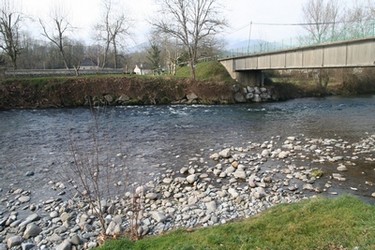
147,138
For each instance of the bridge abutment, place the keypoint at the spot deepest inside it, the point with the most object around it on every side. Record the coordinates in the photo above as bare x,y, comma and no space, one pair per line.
248,77
252,77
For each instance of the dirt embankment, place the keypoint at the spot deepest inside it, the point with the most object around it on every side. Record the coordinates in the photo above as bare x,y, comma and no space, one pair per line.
85,91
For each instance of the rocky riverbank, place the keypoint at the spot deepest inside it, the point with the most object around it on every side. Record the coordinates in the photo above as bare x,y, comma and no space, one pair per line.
211,188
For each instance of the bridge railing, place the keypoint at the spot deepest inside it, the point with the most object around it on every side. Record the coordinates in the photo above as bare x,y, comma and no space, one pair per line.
354,31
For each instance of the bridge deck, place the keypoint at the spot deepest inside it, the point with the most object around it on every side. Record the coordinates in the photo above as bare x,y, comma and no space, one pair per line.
354,53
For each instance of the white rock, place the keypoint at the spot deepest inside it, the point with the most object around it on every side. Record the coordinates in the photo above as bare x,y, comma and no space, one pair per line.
342,168
225,153
151,196
158,216
24,199
167,180
113,229
183,170
233,192
240,174
211,206
230,170
192,178
265,153
215,156
283,154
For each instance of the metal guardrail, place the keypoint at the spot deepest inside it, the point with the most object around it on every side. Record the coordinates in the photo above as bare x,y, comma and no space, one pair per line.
60,72
356,31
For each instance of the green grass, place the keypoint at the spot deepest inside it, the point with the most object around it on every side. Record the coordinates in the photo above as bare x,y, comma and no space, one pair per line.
321,223
212,70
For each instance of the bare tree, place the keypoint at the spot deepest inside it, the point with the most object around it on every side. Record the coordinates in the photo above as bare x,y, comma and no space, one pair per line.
10,21
359,20
113,27
56,33
322,17
190,22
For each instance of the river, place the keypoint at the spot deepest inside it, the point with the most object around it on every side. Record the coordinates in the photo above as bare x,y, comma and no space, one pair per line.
147,138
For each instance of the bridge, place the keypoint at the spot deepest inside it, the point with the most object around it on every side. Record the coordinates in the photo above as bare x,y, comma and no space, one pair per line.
344,54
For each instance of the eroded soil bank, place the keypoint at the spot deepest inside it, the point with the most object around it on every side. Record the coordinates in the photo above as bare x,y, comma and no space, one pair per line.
125,90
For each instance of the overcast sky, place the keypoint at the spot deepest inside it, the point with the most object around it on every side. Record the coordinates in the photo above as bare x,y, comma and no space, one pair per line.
84,14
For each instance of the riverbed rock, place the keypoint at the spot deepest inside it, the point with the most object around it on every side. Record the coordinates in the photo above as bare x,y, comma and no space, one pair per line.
191,178
29,219
24,199
191,97
283,154
32,230
152,196
225,153
239,174
158,216
342,168
239,97
14,241
65,245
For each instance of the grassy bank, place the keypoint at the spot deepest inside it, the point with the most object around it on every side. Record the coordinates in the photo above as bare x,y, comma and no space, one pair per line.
319,223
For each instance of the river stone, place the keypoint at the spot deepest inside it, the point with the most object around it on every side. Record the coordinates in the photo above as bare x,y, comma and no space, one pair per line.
211,206
54,214
239,97
233,192
27,246
191,97
342,168
65,245
14,241
75,240
265,153
108,98
31,231
240,174
124,98
225,153
215,157
167,180
113,229
158,216
3,246
373,195
151,196
24,199
29,173
183,170
192,178
283,154
29,219
65,217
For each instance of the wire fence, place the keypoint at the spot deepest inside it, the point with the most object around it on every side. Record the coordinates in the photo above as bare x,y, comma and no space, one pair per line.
347,33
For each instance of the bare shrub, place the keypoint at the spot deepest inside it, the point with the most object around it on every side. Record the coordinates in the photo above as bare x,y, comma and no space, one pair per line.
96,178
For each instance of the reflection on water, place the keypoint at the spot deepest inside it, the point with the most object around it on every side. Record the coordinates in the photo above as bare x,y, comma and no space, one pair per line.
38,140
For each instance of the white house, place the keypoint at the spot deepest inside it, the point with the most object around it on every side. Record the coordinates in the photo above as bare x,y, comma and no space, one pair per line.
142,69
